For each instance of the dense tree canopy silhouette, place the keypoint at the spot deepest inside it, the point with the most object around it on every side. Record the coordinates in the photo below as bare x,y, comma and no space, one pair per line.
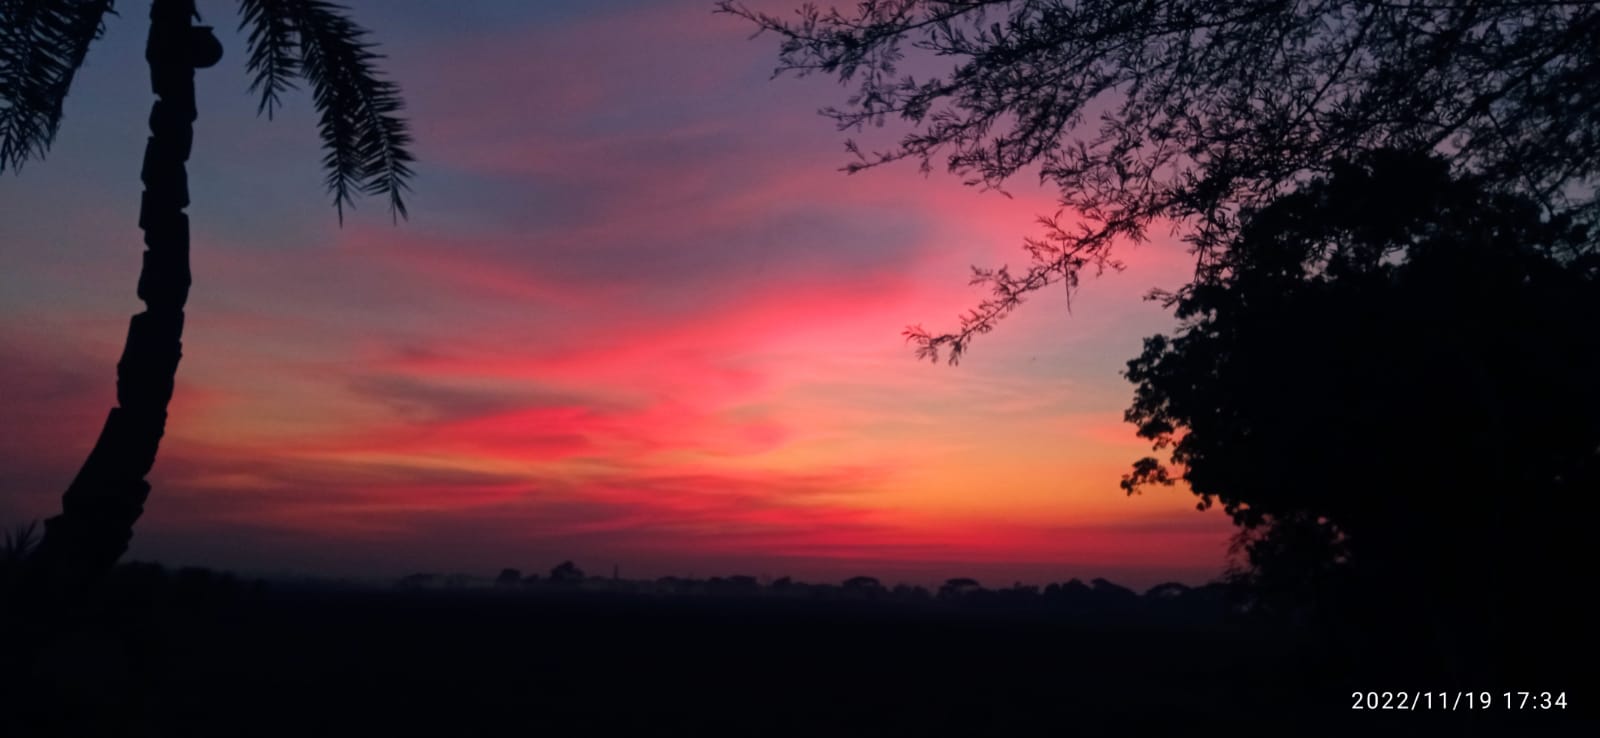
42,44
1190,110
566,572
1394,370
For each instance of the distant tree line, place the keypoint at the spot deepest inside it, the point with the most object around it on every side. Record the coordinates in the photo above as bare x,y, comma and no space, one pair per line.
1096,597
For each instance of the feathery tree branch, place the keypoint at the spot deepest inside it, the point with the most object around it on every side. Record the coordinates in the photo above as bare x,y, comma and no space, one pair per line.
274,52
365,139
42,44
1188,111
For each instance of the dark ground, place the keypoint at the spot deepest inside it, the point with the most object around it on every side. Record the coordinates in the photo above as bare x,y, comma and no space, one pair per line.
238,660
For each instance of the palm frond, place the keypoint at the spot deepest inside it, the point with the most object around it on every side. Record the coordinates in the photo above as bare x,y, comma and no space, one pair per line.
42,44
366,141
274,52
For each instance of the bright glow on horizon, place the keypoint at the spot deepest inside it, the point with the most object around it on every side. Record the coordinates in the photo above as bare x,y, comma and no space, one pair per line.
638,318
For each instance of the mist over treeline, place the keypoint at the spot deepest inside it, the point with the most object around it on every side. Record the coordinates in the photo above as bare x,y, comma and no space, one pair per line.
1098,594
141,584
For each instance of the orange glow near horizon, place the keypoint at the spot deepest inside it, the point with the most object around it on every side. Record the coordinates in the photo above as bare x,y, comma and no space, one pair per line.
643,322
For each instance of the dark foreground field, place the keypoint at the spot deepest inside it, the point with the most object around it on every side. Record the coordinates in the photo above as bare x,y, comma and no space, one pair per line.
283,661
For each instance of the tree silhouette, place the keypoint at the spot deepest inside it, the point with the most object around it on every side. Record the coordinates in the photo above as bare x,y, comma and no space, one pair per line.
566,572
1189,111
1391,374
955,589
862,583
42,44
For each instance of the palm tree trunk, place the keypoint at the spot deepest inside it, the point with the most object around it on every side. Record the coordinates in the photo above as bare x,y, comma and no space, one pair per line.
108,495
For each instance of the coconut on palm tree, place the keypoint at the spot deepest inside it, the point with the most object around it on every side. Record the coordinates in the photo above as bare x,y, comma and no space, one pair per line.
42,44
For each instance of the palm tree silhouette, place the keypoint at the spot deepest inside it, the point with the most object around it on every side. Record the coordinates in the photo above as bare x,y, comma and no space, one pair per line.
42,44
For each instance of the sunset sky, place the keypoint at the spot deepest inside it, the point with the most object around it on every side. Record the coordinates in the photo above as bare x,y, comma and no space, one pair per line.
637,318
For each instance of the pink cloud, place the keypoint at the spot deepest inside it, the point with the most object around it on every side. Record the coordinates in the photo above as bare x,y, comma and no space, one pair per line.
623,323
